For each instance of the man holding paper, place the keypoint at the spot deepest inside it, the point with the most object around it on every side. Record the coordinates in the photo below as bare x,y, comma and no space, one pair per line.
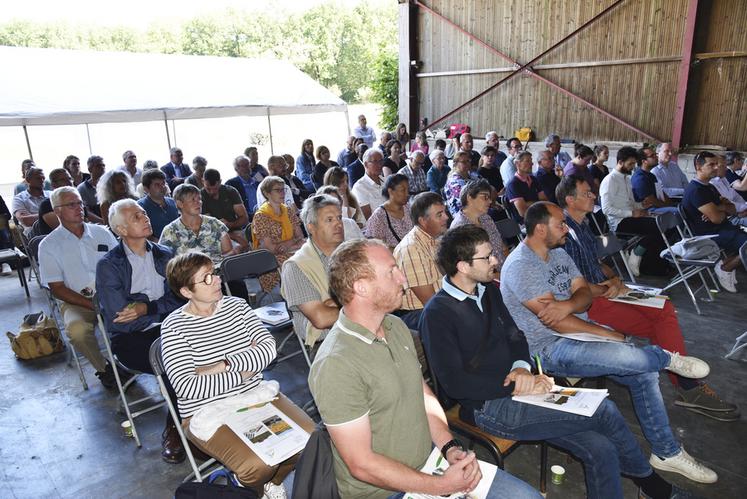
548,298
366,381
658,325
480,358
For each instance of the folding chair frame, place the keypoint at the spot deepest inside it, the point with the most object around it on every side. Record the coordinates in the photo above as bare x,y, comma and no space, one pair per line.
122,388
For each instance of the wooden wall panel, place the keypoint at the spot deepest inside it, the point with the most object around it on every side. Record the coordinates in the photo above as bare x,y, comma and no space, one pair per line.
641,94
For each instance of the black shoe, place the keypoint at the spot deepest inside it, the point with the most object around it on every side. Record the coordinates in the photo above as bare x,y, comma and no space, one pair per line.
172,450
728,416
107,377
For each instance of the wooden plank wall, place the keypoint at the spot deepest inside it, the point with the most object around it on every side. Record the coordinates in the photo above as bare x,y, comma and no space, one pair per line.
641,94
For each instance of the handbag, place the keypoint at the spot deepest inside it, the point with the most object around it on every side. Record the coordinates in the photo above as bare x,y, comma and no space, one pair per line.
210,490
39,336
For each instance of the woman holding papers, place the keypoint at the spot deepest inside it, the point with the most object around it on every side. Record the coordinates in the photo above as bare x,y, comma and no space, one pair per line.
214,347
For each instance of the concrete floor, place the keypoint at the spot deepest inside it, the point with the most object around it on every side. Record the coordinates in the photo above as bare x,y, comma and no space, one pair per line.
61,441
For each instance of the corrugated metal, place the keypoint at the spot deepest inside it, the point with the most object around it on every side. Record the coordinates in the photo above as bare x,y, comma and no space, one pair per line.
641,94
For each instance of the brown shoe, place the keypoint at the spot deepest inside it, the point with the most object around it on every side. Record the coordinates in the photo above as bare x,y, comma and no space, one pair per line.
172,450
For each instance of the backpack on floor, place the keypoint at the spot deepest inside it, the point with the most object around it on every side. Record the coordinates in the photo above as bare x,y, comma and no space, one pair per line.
39,336
210,490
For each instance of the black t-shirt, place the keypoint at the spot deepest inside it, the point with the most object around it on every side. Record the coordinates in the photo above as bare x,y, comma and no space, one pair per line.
493,176
221,208
697,195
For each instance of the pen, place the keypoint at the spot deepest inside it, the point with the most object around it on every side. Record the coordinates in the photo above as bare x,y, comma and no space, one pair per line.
539,364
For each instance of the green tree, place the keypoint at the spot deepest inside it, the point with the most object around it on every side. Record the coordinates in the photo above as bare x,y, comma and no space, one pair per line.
385,89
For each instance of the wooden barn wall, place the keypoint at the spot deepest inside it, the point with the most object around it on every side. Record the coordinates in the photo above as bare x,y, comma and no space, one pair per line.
640,94
717,103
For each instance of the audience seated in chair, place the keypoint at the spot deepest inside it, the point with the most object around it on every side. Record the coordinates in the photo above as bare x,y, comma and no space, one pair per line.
323,164
247,181
598,168
347,155
523,189
579,166
724,188
546,174
113,186
415,173
659,326
277,167
481,359
297,188
351,210
391,221
382,418
708,213
673,180
23,184
305,280
560,157
490,170
275,227
416,255
548,297
460,175
350,228
626,215
134,298
71,163
646,187
438,173
367,190
67,264
25,207
129,166
199,165
735,172
87,188
223,202
355,169
48,220
176,170
214,347
394,158
508,168
475,201
305,164
160,207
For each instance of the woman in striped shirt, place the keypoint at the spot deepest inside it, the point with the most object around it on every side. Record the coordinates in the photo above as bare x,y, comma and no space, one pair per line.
215,347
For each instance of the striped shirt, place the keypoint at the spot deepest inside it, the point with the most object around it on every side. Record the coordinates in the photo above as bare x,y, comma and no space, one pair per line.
191,341
416,257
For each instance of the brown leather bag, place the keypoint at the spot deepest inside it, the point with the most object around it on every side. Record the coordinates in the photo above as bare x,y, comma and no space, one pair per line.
38,339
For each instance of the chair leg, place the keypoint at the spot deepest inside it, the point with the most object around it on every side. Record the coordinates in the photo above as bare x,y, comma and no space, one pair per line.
737,346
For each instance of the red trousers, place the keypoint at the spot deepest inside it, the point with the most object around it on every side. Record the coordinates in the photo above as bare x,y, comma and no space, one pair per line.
660,326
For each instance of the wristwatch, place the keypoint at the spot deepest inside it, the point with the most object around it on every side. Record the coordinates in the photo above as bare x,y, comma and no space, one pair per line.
448,445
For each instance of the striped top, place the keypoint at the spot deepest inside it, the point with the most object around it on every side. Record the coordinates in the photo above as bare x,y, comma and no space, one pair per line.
190,341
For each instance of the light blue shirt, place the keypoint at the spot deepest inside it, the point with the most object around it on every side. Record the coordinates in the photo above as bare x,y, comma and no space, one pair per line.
65,258
460,295
508,170
671,178
145,279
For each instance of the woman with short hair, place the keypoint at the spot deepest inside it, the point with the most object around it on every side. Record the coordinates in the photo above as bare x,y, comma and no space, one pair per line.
323,164
394,160
214,348
275,228
391,221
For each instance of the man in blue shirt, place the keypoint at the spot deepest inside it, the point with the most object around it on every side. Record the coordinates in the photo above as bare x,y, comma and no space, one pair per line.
708,213
247,182
672,180
161,210
546,176
523,189
646,187
481,358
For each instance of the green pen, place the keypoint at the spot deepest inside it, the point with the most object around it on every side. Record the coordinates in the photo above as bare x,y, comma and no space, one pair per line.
539,364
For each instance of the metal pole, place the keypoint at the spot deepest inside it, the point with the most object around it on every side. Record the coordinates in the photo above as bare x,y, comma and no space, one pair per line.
269,127
173,128
88,134
347,120
684,73
168,136
28,143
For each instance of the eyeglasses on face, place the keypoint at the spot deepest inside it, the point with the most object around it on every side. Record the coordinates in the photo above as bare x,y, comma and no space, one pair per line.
209,278
74,204
491,255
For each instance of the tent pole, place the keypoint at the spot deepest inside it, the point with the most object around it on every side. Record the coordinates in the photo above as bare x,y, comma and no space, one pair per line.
168,136
88,134
173,127
347,120
269,126
28,143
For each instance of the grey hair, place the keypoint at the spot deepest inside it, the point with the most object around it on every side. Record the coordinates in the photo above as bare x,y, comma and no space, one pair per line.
175,150
242,157
436,153
127,154
329,189
313,204
660,146
184,190
56,197
199,160
150,164
492,132
104,190
550,139
370,152
420,153
116,213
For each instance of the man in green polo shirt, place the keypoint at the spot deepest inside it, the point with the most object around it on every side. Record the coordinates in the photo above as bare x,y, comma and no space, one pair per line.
366,381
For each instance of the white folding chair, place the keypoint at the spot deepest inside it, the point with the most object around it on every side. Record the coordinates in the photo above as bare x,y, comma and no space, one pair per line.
741,340
156,362
124,404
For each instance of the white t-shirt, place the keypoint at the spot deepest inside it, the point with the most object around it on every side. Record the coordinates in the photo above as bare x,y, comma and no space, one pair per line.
368,192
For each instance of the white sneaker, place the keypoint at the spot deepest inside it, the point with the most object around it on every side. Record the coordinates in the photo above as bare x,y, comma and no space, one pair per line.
688,367
273,491
726,279
6,270
686,465
634,262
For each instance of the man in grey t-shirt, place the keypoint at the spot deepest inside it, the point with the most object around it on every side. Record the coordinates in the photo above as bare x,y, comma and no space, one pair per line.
546,294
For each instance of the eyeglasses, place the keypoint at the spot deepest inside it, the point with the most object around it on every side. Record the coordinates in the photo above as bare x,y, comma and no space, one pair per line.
74,204
280,189
208,279
491,255
587,194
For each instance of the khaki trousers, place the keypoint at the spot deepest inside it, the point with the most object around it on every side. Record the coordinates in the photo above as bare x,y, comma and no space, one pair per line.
79,325
229,449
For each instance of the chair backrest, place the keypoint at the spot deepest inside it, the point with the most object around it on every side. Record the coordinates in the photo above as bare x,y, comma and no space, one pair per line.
156,361
667,221
743,255
687,222
607,245
508,228
34,247
250,264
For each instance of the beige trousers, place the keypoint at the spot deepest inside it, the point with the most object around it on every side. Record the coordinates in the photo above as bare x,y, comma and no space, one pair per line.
79,327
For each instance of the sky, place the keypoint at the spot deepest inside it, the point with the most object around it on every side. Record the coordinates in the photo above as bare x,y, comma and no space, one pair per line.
137,12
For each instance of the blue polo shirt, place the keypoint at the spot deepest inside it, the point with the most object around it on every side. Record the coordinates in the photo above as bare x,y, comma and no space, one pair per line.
159,216
548,182
518,188
644,184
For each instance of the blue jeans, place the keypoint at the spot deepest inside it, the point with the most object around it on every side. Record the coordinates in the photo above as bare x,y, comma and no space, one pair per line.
602,442
635,367
504,485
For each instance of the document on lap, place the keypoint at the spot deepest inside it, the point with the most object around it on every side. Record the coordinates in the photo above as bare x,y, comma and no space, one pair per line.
437,465
581,401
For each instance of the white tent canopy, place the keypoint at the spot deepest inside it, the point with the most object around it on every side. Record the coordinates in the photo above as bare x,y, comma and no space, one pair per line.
66,87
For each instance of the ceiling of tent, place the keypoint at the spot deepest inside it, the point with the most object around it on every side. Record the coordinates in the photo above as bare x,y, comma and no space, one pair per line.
66,87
